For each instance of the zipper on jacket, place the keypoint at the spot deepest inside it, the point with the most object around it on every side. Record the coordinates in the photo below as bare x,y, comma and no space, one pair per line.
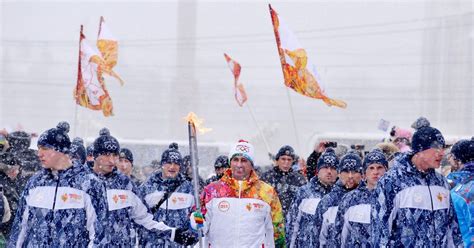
431,198
432,207
238,222
51,231
56,193
166,212
104,183
240,188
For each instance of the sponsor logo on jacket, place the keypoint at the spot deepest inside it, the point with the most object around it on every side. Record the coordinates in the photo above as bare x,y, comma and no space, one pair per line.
178,199
223,206
71,198
441,197
60,197
255,206
120,198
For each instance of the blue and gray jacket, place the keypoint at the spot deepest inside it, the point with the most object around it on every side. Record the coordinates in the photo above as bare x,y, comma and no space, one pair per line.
60,209
456,177
414,209
174,211
463,201
9,191
353,220
2,208
300,219
286,185
125,208
324,229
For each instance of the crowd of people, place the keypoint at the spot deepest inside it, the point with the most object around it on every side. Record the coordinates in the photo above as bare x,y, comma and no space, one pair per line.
67,195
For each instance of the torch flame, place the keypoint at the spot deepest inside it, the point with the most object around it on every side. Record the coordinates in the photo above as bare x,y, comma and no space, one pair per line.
192,117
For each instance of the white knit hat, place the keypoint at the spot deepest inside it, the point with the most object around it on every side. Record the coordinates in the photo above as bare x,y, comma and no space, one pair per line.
242,148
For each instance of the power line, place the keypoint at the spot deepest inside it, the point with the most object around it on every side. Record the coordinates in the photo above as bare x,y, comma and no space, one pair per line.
265,34
221,38
386,23
257,66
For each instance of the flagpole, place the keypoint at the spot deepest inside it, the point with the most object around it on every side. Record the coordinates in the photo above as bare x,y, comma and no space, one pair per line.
100,25
258,127
86,135
294,120
78,75
75,121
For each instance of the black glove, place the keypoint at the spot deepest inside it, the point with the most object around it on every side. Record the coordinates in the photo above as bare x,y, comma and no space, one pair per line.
184,236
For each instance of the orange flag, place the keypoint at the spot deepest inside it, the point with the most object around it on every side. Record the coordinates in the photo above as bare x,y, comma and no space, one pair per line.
239,91
90,89
298,72
108,47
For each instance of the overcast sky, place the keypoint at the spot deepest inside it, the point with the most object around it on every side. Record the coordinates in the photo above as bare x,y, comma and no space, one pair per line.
381,57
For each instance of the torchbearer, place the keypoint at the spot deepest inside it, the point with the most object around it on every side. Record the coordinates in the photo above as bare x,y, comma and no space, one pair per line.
240,210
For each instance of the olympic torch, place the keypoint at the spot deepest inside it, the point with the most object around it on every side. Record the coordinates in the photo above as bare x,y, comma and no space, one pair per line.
195,124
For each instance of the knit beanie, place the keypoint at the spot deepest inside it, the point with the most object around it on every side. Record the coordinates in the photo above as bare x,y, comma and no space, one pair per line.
242,148
222,162
8,159
90,150
285,150
427,137
351,162
376,156
420,122
328,159
127,154
77,150
56,138
105,144
19,140
463,150
171,155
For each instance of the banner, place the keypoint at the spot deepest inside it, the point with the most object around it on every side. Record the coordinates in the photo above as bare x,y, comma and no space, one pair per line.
108,47
90,89
298,71
239,91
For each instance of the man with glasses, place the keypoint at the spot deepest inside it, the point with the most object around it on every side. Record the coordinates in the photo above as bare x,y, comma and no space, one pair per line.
414,208
283,178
